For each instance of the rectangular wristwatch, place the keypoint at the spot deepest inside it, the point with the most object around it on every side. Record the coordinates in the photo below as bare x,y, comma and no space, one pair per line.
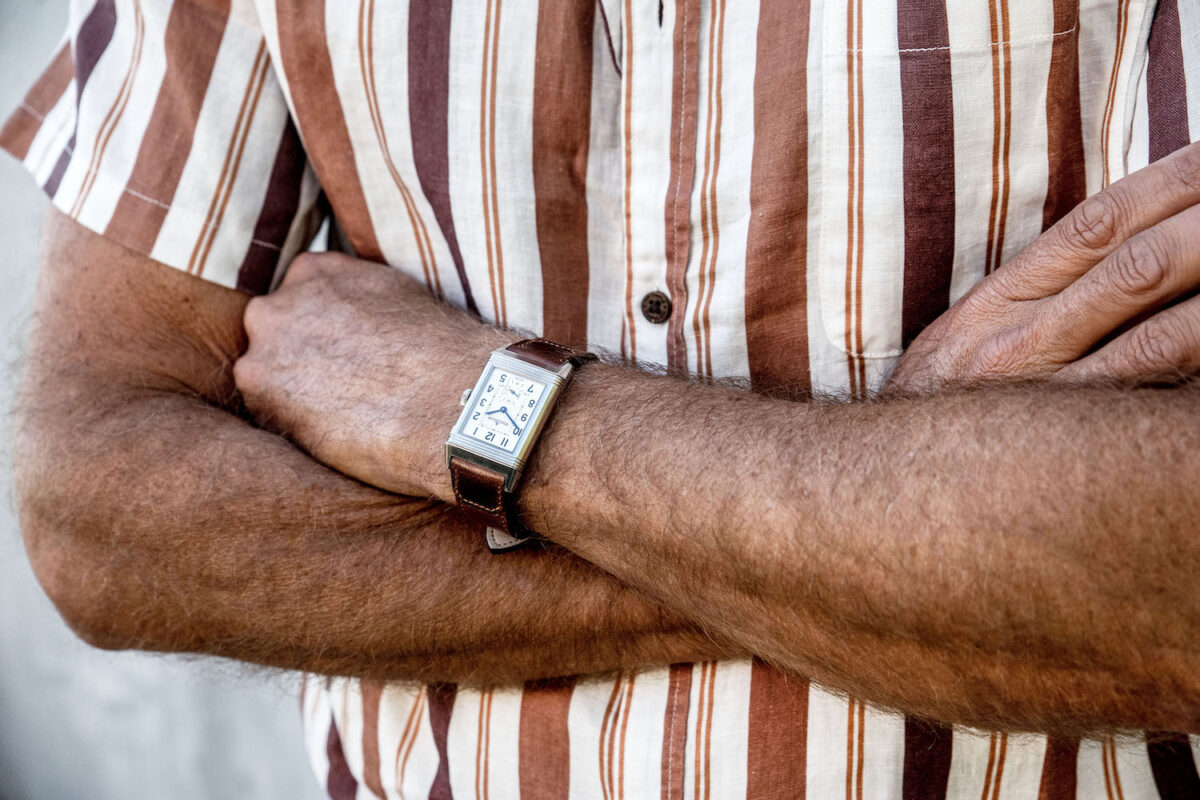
501,420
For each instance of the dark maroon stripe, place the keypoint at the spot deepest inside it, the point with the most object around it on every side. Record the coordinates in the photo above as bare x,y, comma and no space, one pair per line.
1172,763
562,93
928,110
1059,770
928,747
1166,83
340,783
441,704
91,41
278,212
428,108
1067,186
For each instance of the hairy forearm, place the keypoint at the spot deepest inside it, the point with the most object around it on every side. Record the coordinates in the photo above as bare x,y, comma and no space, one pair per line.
179,527
157,518
1022,557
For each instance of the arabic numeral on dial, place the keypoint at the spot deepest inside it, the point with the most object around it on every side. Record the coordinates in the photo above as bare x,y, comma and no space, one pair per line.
491,388
532,403
491,436
475,415
502,377
524,417
530,389
504,442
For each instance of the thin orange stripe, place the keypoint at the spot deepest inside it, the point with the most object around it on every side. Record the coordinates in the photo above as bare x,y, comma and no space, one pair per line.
1110,102
705,225
610,764
405,746
850,739
483,157
628,77
991,762
1104,763
861,243
624,726
851,177
113,118
366,64
999,766
487,752
697,746
862,727
495,191
716,228
1116,773
479,750
227,191
1006,60
712,683
608,710
993,21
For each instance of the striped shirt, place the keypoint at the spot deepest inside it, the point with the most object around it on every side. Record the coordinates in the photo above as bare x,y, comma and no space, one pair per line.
807,184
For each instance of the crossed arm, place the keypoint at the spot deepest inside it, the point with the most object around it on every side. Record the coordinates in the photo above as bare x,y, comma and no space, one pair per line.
1018,556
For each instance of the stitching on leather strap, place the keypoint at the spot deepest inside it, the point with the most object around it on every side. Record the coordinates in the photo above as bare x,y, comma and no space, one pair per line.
496,509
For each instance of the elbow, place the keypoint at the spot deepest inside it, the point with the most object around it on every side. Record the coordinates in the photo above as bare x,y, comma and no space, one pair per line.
78,585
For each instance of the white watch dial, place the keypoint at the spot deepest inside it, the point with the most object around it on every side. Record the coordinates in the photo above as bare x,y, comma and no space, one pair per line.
503,408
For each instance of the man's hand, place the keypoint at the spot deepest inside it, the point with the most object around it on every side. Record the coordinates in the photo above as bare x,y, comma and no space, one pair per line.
1088,301
362,368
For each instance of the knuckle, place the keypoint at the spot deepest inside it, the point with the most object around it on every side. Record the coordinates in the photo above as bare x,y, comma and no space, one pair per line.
1095,221
1141,266
1185,168
305,265
1157,343
999,355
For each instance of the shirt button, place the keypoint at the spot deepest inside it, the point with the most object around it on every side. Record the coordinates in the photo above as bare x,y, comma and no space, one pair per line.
656,307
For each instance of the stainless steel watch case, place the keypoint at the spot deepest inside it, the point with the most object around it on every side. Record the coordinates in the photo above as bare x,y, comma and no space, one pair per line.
510,465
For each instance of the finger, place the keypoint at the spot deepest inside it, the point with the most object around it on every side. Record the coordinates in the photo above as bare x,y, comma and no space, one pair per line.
1145,273
1100,224
1166,346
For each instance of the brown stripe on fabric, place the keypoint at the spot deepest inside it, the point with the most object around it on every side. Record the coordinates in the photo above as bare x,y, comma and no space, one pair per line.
1006,145
18,132
1116,774
193,37
562,91
304,52
94,35
606,725
679,695
1059,769
698,743
685,98
339,783
1166,83
624,728
372,693
850,742
441,703
544,745
991,767
1173,766
776,312
366,64
1001,132
233,162
428,104
628,330
777,735
998,776
928,748
408,738
851,183
855,243
927,104
708,285
1110,102
279,208
486,98
1066,187
115,112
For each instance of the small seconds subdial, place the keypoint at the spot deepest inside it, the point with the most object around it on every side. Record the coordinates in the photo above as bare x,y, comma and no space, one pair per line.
503,409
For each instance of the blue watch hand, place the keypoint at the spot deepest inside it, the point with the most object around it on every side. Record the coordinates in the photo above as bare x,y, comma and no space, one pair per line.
516,429
501,410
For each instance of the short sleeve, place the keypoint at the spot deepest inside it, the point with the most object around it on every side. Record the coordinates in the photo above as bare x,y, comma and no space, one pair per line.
162,125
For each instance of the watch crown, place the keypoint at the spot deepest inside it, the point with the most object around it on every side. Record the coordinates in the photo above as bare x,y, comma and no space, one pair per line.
466,395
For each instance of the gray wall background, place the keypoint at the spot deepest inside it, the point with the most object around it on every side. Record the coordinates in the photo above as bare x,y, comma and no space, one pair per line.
82,723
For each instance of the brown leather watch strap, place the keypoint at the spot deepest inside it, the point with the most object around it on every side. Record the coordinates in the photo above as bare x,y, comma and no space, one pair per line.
546,354
480,494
